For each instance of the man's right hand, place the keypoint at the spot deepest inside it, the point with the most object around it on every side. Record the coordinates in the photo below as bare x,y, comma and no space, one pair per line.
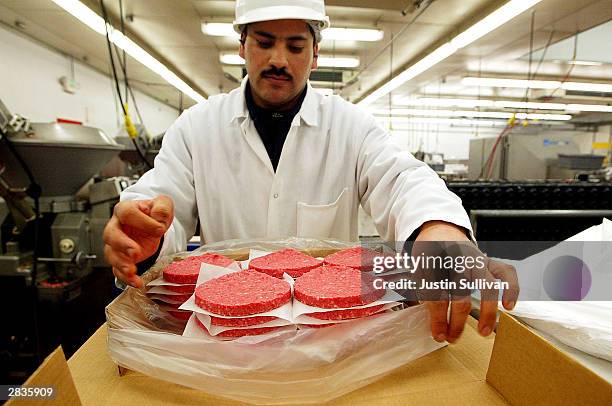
133,234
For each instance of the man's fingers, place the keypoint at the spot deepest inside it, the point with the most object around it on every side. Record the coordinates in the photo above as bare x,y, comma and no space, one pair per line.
132,280
145,206
506,273
488,316
135,281
437,313
118,275
128,275
162,210
119,260
121,275
460,309
130,215
488,304
118,240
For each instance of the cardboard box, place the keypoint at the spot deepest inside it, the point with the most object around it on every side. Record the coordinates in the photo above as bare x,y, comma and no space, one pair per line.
53,372
526,369
452,374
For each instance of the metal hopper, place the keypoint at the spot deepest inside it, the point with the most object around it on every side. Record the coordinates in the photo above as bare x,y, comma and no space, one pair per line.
62,157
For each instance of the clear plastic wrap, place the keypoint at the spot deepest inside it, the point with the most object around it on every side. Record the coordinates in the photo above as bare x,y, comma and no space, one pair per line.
297,366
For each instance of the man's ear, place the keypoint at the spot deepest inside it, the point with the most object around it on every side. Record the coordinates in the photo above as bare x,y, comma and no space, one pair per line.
242,42
315,57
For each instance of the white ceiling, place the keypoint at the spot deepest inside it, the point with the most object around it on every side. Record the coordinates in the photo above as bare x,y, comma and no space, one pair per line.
170,30
592,45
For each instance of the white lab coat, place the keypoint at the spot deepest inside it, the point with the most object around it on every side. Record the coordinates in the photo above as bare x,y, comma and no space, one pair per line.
215,167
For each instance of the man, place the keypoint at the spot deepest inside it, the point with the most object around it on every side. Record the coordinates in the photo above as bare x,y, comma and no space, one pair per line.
274,159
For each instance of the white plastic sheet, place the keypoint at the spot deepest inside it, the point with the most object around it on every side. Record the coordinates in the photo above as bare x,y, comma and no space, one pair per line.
294,366
586,325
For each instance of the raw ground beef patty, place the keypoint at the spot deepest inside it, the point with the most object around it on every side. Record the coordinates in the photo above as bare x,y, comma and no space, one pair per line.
181,289
331,287
167,305
346,314
180,314
240,332
179,298
318,325
242,293
241,322
293,262
171,299
187,270
355,257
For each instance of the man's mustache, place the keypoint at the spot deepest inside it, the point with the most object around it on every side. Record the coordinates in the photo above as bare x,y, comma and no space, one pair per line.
277,73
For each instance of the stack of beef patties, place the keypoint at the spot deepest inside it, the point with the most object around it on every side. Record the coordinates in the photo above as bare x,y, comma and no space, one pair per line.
239,301
342,289
292,262
356,257
341,281
338,293
260,300
179,280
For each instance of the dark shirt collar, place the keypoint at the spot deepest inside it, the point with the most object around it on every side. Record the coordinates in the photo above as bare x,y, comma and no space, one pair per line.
259,113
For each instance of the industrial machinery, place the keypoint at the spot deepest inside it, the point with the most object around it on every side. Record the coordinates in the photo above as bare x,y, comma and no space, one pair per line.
547,211
517,157
54,283
132,162
433,159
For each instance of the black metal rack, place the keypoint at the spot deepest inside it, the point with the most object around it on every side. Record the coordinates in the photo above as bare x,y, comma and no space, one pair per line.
533,210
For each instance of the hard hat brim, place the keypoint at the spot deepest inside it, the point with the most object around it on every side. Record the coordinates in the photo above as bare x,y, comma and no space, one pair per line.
280,13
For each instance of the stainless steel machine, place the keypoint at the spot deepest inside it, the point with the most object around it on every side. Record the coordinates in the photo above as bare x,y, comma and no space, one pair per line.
61,159
518,156
130,161
54,283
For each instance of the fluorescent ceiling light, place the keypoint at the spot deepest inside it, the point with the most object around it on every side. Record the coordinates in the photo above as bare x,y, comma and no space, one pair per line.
585,63
352,34
482,125
231,59
589,107
587,87
219,30
96,23
323,61
497,18
395,128
446,121
493,21
430,60
338,62
473,113
508,104
520,83
537,84
442,129
443,102
84,14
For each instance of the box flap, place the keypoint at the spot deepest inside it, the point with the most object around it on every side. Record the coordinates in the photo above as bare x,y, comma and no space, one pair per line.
526,369
53,372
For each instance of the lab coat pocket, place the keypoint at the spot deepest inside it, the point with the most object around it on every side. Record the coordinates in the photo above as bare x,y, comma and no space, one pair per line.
331,220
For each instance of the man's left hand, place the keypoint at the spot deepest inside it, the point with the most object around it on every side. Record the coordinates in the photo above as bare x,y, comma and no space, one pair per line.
448,327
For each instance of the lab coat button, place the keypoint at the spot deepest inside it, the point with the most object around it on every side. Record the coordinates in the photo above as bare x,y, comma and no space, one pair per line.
276,195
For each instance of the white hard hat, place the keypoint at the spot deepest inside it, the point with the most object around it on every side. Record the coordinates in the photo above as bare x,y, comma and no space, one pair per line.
253,11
